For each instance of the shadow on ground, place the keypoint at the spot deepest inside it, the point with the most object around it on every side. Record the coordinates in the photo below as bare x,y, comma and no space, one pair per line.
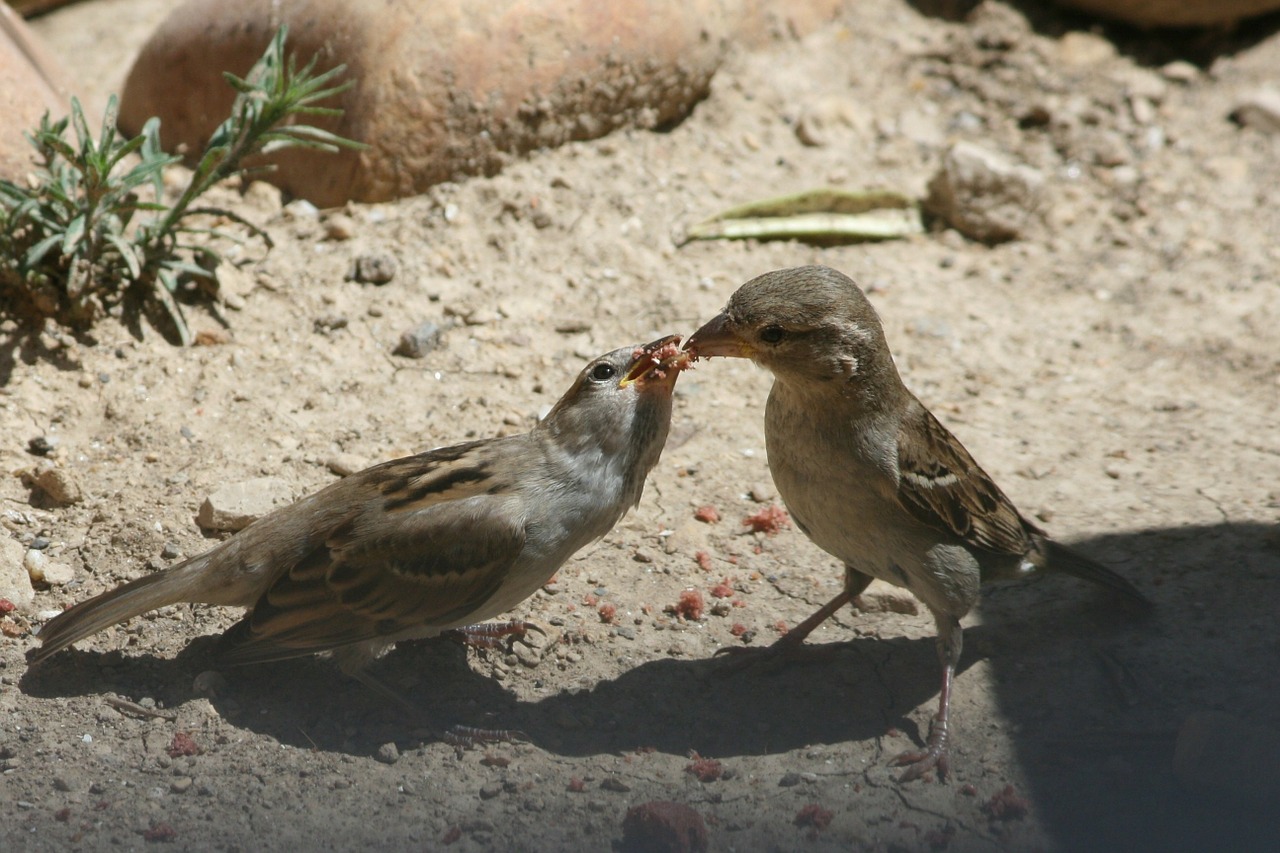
1091,696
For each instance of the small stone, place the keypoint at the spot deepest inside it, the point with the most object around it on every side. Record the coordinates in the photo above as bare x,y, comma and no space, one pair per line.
209,684
388,753
59,485
489,790
789,780
420,340
613,783
985,195
881,597
345,464
1260,111
170,551
339,227
15,582
642,555
375,268
181,785
1180,71
45,572
43,445
1079,49
236,505
761,493
664,826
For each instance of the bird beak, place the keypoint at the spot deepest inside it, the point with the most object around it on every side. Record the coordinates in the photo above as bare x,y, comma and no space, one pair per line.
718,337
657,363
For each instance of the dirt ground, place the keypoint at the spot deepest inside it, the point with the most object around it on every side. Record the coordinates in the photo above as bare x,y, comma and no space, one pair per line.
1117,372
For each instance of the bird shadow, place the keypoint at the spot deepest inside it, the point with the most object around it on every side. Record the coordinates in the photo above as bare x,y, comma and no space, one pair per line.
1095,706
1090,696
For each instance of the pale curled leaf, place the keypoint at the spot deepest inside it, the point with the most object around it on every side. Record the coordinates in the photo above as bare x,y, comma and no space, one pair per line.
827,215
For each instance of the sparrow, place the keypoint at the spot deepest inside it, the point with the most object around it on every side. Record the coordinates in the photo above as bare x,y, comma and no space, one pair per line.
416,546
870,475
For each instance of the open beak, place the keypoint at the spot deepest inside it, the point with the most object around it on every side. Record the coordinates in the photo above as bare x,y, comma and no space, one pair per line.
718,337
657,362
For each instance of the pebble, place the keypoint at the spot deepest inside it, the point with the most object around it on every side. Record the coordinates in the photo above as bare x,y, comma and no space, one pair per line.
388,753
345,464
181,785
613,783
761,493
236,505
789,780
984,194
15,582
43,445
374,268
1260,111
642,555
420,340
209,684
59,485
339,227
46,572
490,790
170,551
881,597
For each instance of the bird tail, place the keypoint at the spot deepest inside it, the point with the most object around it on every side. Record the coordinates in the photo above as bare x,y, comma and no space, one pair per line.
134,598
1063,559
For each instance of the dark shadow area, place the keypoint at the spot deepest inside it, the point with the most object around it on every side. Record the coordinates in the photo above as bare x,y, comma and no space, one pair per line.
1096,705
1149,47
1091,694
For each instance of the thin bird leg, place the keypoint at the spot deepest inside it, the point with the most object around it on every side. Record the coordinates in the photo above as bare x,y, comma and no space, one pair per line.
490,635
936,753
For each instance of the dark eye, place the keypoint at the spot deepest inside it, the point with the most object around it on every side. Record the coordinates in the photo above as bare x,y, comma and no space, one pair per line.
603,372
771,334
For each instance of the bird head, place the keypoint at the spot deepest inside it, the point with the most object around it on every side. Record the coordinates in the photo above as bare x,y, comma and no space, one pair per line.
619,407
811,324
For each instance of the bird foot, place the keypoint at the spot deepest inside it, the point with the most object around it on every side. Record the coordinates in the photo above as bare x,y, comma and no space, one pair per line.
936,755
490,635
463,737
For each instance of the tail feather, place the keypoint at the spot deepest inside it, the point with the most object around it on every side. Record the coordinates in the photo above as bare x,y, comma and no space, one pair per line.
1063,559
105,610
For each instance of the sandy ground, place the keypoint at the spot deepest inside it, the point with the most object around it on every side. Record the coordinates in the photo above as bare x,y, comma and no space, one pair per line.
1116,371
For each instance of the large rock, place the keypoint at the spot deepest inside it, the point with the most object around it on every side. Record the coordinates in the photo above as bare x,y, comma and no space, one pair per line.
31,84
1175,13
449,88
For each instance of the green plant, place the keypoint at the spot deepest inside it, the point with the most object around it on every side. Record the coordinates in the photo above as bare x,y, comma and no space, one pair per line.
93,230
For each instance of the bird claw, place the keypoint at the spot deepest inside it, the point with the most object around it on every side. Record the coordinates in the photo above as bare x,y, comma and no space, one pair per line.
936,755
491,635
463,737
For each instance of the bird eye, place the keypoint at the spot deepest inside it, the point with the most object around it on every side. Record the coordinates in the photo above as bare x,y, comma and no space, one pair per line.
771,334
603,371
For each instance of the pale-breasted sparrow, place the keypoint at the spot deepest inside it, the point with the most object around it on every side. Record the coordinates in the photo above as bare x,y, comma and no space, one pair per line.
869,474
416,546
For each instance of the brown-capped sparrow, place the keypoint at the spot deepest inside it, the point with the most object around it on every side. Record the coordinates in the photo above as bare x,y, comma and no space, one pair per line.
869,474
420,545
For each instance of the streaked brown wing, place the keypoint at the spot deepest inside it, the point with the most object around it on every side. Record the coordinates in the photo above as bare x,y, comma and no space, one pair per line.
942,486
432,548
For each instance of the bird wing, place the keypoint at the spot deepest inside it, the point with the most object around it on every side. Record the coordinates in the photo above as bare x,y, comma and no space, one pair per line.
942,486
435,544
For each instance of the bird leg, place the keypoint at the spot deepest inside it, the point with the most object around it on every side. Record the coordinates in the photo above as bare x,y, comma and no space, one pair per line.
937,751
790,646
